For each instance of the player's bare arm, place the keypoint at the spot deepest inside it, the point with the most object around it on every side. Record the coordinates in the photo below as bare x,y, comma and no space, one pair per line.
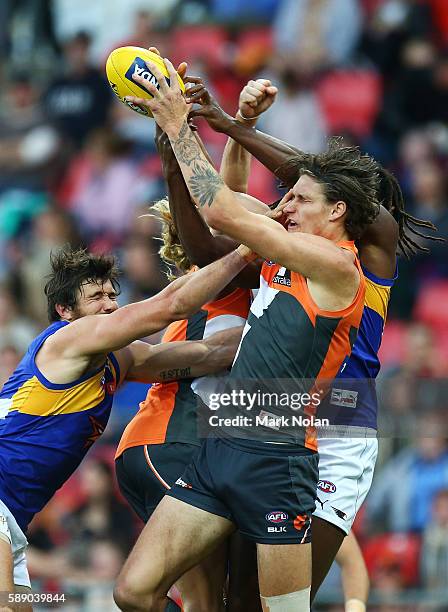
313,256
200,246
176,360
81,345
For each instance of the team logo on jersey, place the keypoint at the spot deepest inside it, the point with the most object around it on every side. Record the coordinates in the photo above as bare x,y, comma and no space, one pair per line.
276,516
97,430
300,521
326,486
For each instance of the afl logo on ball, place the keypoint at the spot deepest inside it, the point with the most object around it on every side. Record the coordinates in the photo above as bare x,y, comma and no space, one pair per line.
326,486
277,516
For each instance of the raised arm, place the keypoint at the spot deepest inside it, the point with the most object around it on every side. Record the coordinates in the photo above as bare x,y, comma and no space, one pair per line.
175,360
200,246
270,151
313,256
99,334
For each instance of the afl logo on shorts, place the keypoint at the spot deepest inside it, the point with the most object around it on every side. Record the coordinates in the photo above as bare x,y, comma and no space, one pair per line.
326,486
277,516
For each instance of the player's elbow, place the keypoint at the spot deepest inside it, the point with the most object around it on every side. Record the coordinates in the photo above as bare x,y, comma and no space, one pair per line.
180,307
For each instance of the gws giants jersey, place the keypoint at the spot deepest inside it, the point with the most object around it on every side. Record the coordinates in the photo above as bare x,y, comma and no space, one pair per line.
287,336
168,414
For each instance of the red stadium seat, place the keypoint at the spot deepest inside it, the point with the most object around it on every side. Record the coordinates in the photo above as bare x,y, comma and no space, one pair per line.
393,345
394,550
350,100
430,307
199,43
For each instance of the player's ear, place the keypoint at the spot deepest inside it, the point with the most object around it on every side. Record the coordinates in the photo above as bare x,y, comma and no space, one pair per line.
65,312
337,210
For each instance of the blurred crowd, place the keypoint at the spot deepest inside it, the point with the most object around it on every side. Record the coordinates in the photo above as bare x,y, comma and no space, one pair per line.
77,166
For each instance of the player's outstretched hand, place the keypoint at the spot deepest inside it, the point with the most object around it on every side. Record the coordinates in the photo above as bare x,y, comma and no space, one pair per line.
209,108
256,97
168,106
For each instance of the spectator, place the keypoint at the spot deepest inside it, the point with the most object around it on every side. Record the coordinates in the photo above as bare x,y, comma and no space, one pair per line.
296,117
102,187
78,100
28,145
316,34
402,494
15,330
100,516
434,557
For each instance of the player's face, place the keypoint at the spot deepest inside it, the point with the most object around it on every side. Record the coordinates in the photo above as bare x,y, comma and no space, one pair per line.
95,298
308,209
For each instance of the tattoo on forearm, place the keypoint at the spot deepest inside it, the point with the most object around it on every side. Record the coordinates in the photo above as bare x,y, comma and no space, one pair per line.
175,373
185,146
204,184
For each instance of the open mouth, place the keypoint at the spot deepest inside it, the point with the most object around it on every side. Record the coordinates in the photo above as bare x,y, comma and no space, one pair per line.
291,225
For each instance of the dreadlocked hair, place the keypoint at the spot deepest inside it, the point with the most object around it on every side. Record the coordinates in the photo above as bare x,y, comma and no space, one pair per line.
345,174
171,251
392,199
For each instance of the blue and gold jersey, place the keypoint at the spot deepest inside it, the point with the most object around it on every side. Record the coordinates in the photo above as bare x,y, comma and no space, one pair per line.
355,402
46,428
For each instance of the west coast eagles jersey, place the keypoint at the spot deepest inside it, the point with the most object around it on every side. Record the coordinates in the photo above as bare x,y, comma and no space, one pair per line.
46,428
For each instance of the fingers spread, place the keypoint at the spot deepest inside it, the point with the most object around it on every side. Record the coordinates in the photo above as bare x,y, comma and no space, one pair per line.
174,83
193,79
163,86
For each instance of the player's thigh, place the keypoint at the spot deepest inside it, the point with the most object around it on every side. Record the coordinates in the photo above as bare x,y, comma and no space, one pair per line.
177,537
6,566
326,541
202,587
283,568
243,594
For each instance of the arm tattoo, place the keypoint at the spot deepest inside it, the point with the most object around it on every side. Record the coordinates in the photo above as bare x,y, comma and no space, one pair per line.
185,146
175,373
204,184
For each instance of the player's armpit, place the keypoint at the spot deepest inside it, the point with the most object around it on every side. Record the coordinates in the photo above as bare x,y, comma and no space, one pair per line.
188,359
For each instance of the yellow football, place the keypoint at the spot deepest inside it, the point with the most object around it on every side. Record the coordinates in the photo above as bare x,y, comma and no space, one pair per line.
124,63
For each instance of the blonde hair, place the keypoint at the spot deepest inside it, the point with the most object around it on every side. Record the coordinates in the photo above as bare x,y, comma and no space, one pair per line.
171,251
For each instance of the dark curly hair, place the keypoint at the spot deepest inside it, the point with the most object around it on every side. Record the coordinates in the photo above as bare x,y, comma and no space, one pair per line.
71,268
345,174
389,194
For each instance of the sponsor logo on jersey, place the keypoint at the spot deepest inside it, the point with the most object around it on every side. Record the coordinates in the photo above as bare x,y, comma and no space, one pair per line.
276,516
344,397
281,280
276,529
183,484
326,486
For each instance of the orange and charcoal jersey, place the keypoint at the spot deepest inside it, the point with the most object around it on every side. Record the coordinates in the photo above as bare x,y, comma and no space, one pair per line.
287,337
168,414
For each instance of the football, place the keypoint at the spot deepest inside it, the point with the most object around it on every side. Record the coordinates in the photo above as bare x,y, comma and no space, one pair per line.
125,62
